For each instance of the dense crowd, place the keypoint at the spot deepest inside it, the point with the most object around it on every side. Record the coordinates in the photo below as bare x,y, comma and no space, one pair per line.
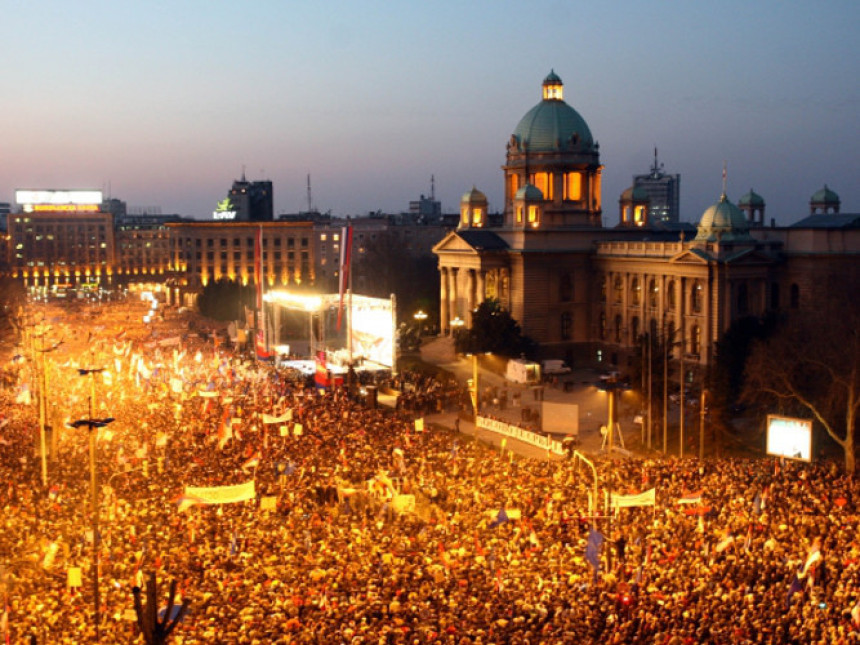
490,549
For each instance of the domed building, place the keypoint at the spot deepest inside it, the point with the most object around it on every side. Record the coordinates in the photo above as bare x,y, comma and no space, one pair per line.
588,293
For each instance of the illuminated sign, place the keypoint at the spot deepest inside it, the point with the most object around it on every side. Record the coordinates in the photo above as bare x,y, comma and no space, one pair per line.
788,437
224,210
64,208
58,197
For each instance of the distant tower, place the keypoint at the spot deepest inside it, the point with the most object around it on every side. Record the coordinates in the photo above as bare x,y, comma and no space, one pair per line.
752,204
663,190
824,202
253,201
634,207
473,210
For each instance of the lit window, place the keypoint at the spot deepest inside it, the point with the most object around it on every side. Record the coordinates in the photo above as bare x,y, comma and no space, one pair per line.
323,237
639,215
573,186
477,217
519,214
543,182
534,216
464,216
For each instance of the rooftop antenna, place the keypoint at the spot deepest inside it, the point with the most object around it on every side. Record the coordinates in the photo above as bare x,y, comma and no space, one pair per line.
433,188
243,172
310,201
724,178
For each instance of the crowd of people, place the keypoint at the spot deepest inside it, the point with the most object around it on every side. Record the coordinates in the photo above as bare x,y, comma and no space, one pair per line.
378,526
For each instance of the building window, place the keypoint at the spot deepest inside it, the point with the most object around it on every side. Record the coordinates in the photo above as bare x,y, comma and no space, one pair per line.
634,328
618,289
653,293
635,292
618,328
478,217
464,216
671,297
519,214
573,186
795,296
566,326
543,182
534,216
695,339
696,298
602,325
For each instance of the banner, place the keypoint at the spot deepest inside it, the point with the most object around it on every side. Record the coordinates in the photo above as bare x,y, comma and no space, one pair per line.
648,498
270,419
222,494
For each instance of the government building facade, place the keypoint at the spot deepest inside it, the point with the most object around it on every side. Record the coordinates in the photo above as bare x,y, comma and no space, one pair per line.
587,292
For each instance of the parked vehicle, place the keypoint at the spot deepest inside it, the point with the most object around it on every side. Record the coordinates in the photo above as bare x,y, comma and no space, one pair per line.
555,367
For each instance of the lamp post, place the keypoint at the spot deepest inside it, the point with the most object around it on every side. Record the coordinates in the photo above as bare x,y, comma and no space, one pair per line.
420,316
92,424
43,401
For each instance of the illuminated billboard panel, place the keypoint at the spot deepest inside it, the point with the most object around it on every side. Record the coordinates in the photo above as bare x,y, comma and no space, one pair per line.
789,438
57,197
373,330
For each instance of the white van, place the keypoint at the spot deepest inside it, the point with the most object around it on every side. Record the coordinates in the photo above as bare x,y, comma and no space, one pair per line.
555,367
522,371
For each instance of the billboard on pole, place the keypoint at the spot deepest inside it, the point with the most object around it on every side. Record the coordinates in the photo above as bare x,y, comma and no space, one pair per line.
789,437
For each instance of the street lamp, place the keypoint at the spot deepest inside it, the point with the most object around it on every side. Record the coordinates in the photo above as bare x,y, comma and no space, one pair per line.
420,316
93,423
43,398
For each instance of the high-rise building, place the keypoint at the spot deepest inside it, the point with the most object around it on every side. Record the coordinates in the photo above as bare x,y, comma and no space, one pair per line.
249,201
663,192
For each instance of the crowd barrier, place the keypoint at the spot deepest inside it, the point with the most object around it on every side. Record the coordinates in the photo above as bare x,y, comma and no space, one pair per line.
520,434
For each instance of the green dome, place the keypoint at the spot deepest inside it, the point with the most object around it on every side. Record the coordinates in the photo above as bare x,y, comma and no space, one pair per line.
529,193
552,78
474,196
825,196
751,199
552,125
635,194
723,222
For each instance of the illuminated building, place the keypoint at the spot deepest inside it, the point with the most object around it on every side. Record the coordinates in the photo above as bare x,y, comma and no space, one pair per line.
588,293
204,252
60,237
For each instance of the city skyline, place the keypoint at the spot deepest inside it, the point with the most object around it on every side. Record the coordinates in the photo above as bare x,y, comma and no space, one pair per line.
166,105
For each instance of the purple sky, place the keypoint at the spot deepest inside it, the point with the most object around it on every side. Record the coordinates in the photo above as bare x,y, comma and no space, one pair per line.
164,103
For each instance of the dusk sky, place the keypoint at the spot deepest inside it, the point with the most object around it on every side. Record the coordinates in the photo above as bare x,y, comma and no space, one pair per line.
163,103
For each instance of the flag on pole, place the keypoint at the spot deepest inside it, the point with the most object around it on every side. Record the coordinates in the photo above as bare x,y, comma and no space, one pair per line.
262,353
258,266
345,259
691,498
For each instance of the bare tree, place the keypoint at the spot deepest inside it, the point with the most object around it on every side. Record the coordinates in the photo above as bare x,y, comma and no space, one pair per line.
811,366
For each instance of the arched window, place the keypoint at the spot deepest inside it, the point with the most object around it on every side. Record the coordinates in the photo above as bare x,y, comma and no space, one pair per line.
653,328
603,288
653,293
618,288
672,338
696,298
618,328
634,328
566,326
695,339
743,299
671,297
795,296
565,288
635,292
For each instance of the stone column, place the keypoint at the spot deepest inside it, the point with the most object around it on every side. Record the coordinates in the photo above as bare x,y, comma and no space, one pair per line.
443,300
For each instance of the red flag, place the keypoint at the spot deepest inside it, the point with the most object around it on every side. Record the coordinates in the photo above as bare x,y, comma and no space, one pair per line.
345,260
